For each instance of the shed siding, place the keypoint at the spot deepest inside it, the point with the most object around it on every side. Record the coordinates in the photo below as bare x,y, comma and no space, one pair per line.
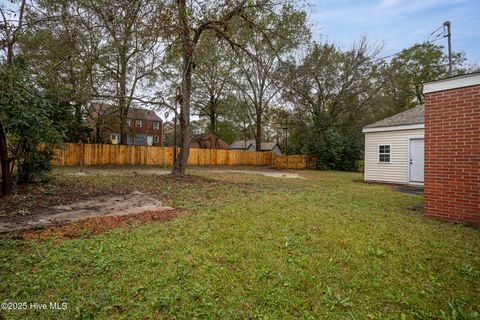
396,171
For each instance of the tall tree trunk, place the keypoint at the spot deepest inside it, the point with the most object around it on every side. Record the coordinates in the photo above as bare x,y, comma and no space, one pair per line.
98,134
9,54
185,90
258,134
122,98
5,163
77,135
185,130
213,115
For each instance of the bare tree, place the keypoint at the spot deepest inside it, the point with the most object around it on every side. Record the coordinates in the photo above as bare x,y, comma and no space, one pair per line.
191,21
256,74
213,72
331,84
332,91
129,52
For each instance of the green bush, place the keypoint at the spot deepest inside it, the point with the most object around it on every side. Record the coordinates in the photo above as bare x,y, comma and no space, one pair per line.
26,117
336,151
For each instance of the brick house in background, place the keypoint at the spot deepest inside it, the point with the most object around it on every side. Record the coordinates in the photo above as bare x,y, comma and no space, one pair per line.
144,126
452,149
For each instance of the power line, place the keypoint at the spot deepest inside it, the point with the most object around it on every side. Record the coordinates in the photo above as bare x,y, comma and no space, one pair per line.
436,38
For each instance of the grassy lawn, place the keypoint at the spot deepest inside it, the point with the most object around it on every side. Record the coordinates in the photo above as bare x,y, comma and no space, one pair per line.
250,246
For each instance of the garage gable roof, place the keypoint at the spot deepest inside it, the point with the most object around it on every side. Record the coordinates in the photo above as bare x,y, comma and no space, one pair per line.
407,117
240,144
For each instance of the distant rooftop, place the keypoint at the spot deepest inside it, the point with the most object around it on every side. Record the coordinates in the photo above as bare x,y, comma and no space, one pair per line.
240,144
133,112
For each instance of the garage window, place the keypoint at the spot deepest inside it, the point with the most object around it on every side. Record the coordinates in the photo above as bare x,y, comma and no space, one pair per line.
384,153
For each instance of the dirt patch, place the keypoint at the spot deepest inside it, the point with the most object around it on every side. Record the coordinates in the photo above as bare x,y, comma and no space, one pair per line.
95,226
126,171
130,204
274,174
119,171
37,199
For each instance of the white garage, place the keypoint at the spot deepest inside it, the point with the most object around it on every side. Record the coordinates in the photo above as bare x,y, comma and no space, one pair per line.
394,148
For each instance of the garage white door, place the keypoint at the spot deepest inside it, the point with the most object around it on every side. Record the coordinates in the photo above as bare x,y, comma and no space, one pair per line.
416,160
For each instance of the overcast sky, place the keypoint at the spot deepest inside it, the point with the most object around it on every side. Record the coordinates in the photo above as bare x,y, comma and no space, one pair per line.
397,24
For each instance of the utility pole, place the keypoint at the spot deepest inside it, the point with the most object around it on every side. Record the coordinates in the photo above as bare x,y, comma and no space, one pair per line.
449,36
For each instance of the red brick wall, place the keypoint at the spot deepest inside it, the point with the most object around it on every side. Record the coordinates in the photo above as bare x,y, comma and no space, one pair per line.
147,128
452,155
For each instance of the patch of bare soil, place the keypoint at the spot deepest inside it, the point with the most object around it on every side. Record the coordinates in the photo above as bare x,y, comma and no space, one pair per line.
95,226
123,205
269,172
119,171
37,199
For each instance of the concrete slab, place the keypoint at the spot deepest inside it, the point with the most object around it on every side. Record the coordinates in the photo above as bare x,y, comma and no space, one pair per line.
409,189
133,203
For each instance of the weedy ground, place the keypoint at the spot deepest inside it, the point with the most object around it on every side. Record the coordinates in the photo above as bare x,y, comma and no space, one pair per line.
246,246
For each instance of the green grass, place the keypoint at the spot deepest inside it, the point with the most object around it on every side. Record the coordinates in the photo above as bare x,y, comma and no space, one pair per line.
250,246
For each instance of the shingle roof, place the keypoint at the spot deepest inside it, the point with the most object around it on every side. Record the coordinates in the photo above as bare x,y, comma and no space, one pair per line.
209,140
240,144
103,109
266,146
144,114
410,116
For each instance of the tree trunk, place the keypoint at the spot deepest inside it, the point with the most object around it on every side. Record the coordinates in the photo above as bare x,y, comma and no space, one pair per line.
122,99
77,135
4,162
188,48
185,130
419,94
123,129
258,134
9,53
213,115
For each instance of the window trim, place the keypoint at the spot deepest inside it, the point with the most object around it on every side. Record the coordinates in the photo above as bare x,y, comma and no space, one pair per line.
155,139
129,122
384,153
137,122
156,125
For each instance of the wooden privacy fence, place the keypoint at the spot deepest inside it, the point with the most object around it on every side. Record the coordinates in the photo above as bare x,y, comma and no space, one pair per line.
290,162
73,154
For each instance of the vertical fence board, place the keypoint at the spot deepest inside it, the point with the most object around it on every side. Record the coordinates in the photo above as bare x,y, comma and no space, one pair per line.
74,154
